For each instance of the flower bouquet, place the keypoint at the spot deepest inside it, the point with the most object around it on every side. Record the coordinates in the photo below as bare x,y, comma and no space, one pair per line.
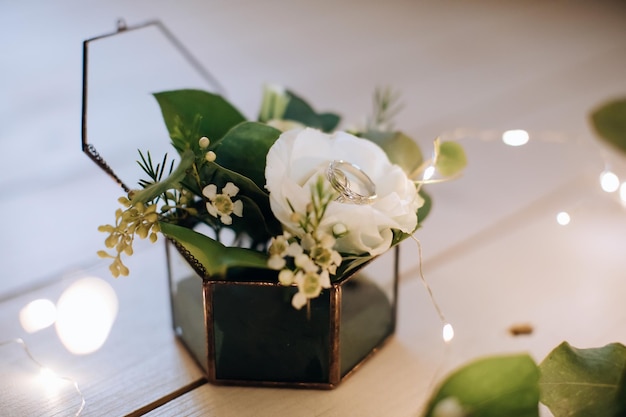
280,232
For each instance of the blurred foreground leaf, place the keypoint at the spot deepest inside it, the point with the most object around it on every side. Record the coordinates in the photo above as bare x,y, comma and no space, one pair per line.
492,387
585,382
609,122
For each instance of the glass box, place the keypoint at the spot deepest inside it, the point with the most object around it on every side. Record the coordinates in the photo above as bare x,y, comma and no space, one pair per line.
248,333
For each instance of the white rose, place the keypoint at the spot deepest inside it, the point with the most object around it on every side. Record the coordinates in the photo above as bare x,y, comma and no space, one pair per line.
299,157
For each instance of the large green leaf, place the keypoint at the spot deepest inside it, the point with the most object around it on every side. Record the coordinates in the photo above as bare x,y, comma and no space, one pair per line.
492,387
585,382
191,114
214,256
400,149
300,111
609,122
244,149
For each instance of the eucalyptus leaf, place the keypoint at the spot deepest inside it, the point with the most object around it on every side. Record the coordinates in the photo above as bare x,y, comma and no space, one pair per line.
214,256
244,148
585,382
496,386
209,114
400,148
609,122
452,159
300,111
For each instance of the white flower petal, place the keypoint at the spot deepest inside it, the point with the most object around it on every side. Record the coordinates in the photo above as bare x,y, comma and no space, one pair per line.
299,300
307,242
276,262
324,279
230,189
326,240
211,209
294,249
210,191
238,208
285,277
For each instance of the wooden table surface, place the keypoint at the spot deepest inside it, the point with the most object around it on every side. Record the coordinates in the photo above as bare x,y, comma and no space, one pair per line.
494,254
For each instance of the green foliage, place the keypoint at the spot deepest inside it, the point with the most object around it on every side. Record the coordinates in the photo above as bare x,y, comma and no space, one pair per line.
609,122
154,173
243,150
299,110
585,382
424,211
191,114
571,382
173,181
386,106
492,387
240,148
214,256
217,146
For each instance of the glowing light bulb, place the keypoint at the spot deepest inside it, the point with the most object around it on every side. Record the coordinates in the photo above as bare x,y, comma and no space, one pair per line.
609,181
448,333
517,137
47,374
50,381
37,315
429,172
563,218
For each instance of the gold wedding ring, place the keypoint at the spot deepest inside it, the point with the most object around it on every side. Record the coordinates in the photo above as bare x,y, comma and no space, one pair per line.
351,182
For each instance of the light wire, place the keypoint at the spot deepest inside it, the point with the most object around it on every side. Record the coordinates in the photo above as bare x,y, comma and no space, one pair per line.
74,383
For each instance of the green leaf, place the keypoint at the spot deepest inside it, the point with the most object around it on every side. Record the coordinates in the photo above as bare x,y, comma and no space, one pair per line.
585,382
609,122
300,111
209,114
244,149
214,256
424,211
400,149
451,159
492,387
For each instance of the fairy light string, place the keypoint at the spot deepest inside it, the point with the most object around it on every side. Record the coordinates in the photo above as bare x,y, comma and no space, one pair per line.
447,329
47,372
